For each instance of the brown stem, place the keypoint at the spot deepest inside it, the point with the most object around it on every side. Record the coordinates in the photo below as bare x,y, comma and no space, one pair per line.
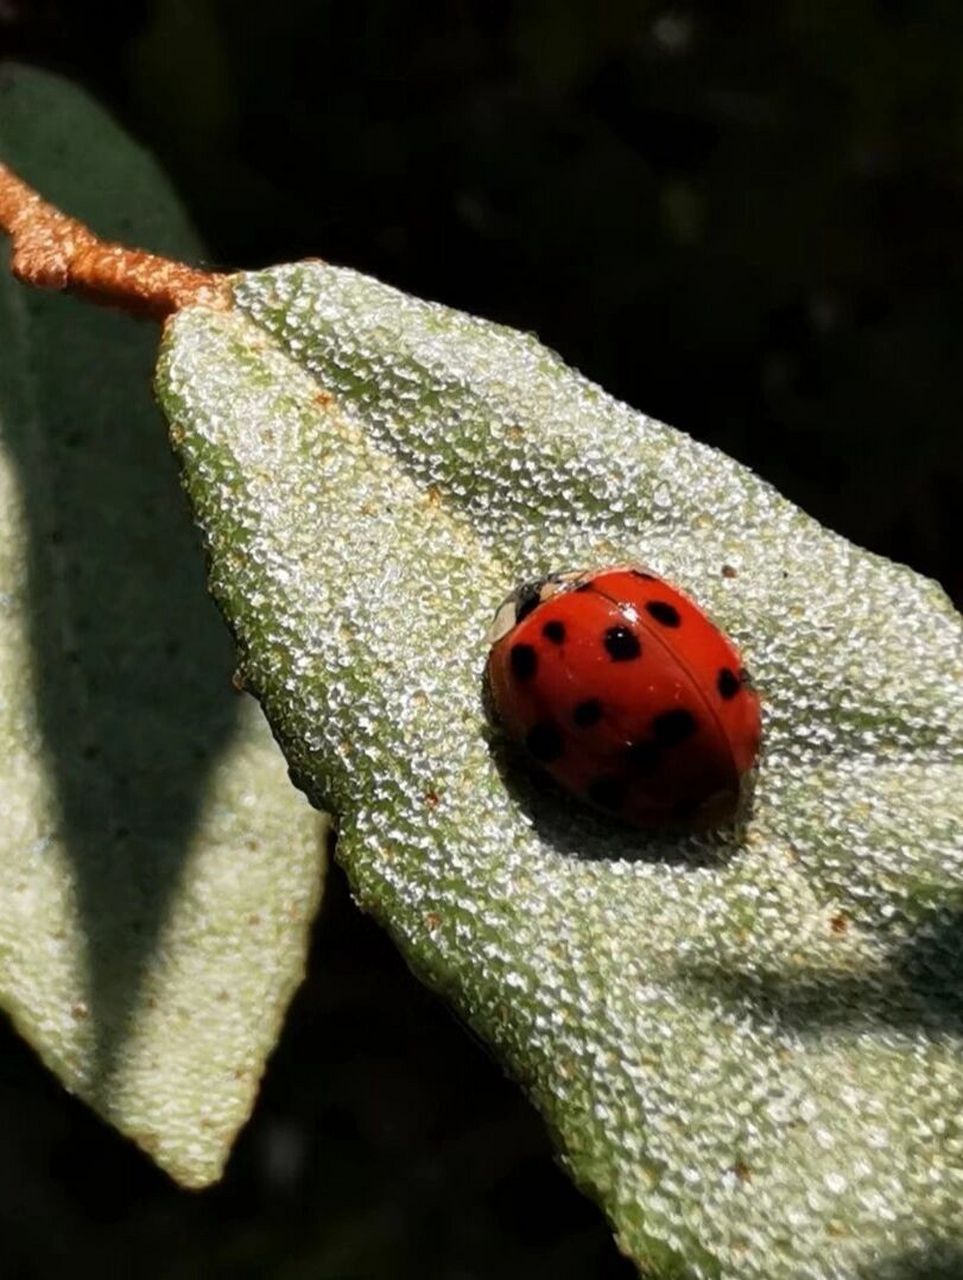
54,251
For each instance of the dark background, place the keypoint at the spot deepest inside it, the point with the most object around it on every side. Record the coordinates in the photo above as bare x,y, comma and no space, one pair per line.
742,218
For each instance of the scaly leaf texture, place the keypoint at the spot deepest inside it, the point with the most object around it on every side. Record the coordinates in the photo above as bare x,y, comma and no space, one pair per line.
746,1043
158,873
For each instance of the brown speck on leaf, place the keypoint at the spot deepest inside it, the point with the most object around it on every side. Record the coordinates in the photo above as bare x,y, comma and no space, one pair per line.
176,433
514,432
729,571
254,919
79,1011
223,995
433,495
431,799
839,923
324,399
432,921
742,1171
237,681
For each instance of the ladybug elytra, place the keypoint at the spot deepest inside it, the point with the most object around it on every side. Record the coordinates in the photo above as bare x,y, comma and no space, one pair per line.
619,686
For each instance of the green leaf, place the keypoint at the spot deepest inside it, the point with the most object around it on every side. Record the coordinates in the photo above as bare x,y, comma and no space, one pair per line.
747,1042
158,873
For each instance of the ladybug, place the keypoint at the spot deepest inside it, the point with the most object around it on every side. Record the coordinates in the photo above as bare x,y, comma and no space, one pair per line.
618,685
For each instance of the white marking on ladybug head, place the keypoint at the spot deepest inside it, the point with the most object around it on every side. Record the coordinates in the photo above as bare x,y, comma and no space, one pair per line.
504,619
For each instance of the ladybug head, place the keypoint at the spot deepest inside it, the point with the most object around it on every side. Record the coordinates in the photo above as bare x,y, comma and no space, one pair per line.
520,603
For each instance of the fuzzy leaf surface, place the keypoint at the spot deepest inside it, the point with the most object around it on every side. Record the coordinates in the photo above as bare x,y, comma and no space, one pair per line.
158,873
746,1043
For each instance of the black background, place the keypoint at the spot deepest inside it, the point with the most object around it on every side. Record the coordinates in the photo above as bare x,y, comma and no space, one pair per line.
744,219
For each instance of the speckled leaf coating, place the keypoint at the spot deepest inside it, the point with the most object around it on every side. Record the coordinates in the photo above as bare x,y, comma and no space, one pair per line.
747,1043
158,873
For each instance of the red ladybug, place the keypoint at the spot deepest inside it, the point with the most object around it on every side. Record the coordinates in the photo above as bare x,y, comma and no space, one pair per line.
620,687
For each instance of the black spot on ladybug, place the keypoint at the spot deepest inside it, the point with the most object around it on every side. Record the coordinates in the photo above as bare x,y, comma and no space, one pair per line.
639,573
621,644
524,661
643,756
587,713
545,743
684,810
728,683
673,727
608,790
663,612
554,631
